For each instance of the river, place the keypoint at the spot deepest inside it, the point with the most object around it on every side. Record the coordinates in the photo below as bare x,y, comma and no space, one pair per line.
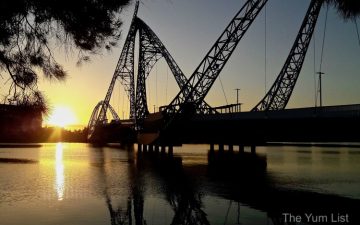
75,184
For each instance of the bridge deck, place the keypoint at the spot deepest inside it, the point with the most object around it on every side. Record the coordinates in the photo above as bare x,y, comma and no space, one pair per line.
325,124
342,111
328,124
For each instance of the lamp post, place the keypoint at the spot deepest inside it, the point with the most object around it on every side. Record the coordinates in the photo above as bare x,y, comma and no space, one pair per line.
237,95
320,87
237,98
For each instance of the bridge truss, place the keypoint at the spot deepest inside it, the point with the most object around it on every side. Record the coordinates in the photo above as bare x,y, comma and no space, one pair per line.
280,92
200,82
194,90
151,49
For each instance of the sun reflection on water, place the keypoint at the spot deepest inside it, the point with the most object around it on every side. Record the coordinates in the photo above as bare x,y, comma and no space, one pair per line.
59,168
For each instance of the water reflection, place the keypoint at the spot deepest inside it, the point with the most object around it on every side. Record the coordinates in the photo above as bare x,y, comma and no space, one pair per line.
121,211
240,179
180,190
84,185
175,182
59,169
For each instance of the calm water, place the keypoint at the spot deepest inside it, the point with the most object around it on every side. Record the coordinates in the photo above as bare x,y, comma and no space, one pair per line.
78,184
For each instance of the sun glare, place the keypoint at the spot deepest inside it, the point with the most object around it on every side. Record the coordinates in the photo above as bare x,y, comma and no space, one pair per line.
62,116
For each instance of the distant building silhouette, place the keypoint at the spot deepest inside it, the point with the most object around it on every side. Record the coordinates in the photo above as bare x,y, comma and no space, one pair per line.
17,122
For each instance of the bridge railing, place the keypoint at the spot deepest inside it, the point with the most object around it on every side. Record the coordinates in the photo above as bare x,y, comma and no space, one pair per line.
341,111
231,108
201,110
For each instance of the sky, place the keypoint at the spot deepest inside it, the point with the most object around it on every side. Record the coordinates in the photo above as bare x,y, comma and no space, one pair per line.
188,29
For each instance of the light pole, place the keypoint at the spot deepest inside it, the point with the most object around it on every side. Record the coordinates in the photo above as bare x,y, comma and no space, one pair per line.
237,95
320,87
237,98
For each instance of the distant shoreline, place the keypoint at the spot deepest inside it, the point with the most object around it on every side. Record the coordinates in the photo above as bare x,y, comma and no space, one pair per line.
299,144
296,144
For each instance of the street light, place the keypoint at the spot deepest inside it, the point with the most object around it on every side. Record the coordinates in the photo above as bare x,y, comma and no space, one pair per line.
237,99
237,95
320,88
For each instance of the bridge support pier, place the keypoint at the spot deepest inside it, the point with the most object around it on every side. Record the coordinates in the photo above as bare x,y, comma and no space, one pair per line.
163,149
171,150
241,148
151,148
253,149
231,148
139,147
221,147
157,148
212,148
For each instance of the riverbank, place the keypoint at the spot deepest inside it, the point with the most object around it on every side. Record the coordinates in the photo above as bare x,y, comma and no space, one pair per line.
45,135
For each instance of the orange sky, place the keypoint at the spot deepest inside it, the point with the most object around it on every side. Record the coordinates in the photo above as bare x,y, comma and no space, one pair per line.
188,30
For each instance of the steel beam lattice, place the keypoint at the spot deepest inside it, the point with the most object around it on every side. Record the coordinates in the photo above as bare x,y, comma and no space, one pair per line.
124,70
95,115
193,93
125,73
147,59
280,92
155,46
151,50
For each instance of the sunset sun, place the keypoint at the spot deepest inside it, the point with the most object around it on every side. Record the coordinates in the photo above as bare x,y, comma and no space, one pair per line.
62,116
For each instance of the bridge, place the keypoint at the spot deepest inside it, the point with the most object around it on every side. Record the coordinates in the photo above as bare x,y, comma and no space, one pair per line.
189,119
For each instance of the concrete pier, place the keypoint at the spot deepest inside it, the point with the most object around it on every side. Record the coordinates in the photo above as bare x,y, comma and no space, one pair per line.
221,147
253,149
241,148
171,150
212,147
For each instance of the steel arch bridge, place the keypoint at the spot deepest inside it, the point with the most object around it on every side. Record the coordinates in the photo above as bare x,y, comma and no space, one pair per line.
193,90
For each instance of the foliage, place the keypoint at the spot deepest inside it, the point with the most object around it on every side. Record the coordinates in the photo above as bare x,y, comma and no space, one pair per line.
29,29
30,98
348,9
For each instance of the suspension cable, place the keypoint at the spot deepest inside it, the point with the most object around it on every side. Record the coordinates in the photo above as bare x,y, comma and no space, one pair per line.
323,40
123,103
166,85
118,103
156,85
112,101
223,90
315,84
265,44
148,94
322,56
357,30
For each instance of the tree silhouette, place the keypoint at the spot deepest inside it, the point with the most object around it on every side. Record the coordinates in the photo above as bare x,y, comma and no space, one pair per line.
348,9
29,29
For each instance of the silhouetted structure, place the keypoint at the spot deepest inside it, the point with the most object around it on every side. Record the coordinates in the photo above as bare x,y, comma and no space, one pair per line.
188,119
